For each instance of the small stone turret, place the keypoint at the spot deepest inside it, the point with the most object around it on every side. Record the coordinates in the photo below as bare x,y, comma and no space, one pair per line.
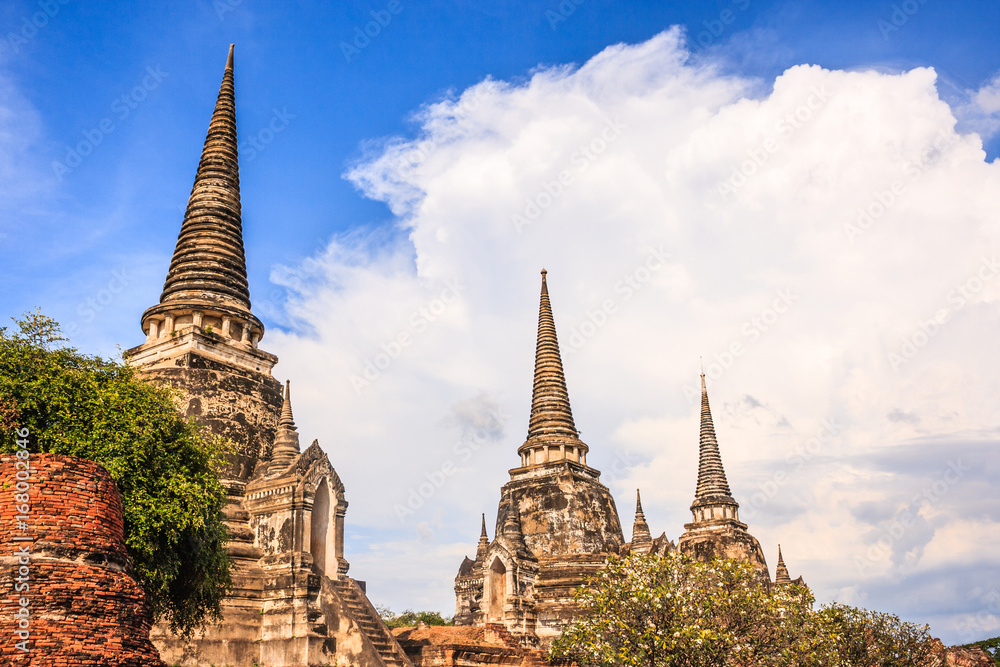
642,542
286,443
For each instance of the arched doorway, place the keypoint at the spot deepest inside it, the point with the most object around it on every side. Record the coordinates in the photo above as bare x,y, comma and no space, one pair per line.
320,525
498,589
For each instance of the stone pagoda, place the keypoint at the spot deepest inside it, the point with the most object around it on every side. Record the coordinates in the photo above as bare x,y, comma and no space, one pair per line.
292,603
556,523
716,530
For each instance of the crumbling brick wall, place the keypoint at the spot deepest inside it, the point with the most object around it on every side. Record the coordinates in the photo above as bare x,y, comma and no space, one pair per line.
84,606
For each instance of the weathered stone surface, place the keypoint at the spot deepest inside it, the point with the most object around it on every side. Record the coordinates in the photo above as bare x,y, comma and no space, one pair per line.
85,608
716,531
556,523
292,604
241,405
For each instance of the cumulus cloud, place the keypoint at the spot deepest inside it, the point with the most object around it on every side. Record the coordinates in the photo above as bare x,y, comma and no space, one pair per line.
828,248
981,113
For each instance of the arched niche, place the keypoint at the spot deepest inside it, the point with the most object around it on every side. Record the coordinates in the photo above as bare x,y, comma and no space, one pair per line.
497,587
319,528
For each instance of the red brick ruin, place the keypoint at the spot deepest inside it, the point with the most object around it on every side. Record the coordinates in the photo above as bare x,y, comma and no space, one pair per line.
84,606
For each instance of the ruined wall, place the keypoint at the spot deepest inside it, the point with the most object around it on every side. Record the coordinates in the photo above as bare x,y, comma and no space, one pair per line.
233,402
85,608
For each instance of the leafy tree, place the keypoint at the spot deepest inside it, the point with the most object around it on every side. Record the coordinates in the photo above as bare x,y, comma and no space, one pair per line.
165,467
410,618
646,610
864,637
990,646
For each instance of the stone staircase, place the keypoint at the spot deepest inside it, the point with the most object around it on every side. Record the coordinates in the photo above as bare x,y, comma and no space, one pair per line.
371,625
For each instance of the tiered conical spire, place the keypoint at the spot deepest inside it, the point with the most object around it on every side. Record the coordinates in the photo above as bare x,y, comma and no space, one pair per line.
484,541
642,542
551,423
286,442
781,577
712,484
208,265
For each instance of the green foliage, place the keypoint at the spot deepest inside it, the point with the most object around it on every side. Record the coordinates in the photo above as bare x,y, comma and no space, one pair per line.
647,610
410,618
864,637
991,646
164,466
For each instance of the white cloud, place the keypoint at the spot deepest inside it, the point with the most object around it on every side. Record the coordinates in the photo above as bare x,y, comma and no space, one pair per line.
981,113
828,249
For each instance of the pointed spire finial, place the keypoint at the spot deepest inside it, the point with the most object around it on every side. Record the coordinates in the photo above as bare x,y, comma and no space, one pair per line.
208,267
642,541
482,533
551,423
781,576
286,442
712,487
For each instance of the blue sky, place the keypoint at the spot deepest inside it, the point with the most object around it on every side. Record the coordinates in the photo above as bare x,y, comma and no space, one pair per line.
124,198
346,236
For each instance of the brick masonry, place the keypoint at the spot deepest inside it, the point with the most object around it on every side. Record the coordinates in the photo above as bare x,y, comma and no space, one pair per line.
85,606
